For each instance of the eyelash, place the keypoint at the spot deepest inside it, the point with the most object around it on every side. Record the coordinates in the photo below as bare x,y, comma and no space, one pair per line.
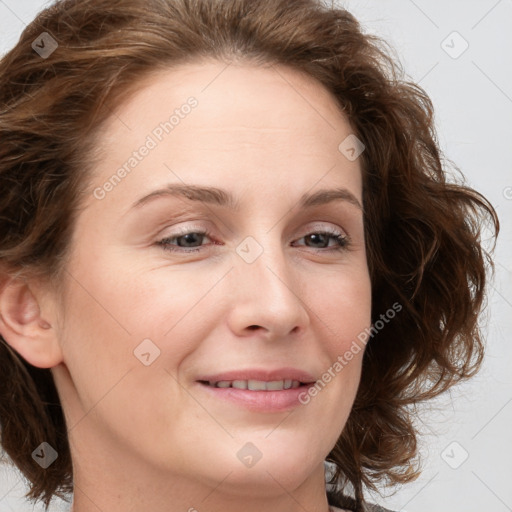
341,239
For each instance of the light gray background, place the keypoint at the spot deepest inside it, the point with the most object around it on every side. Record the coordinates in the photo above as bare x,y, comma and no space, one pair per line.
473,98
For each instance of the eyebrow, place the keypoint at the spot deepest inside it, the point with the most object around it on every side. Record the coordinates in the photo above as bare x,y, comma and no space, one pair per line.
217,196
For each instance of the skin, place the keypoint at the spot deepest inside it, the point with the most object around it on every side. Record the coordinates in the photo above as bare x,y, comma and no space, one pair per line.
149,437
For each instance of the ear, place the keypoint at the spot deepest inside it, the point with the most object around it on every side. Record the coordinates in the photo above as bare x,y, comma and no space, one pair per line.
23,326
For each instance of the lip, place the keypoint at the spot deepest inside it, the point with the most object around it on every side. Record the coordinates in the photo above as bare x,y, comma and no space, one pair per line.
259,401
261,374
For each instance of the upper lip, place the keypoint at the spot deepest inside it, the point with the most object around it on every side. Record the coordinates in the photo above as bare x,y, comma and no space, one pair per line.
262,374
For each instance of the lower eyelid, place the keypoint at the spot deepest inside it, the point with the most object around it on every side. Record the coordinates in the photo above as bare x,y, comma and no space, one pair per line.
337,236
342,241
165,242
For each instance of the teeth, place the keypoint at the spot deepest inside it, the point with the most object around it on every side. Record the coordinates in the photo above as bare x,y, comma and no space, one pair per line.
275,385
257,385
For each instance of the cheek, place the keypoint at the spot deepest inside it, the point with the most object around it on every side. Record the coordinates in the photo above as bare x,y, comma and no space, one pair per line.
121,320
342,303
342,313
114,324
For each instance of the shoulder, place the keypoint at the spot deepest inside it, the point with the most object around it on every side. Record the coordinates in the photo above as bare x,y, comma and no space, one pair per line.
376,508
347,504
341,502
368,508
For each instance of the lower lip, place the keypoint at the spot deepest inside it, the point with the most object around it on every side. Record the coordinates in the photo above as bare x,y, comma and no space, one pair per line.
260,401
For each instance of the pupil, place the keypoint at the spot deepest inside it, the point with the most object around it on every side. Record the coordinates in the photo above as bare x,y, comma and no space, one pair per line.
318,238
189,239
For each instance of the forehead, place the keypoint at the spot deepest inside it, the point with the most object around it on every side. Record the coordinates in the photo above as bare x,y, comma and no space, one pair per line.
249,88
246,119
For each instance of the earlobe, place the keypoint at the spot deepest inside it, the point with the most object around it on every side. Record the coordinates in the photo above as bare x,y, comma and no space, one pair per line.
24,328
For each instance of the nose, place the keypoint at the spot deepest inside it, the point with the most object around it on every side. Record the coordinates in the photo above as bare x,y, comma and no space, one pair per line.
266,298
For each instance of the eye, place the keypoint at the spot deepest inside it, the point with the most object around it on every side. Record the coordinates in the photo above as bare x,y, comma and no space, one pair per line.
188,241
322,240
192,241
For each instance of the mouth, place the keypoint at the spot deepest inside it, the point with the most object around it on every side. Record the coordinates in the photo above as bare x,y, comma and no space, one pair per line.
261,390
256,385
256,395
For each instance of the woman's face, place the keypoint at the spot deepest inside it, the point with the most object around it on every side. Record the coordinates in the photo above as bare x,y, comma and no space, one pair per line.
249,260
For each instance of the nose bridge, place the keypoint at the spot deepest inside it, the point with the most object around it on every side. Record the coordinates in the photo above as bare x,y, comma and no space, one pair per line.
268,290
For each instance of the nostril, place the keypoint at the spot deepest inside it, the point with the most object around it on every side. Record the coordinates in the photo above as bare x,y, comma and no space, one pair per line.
252,327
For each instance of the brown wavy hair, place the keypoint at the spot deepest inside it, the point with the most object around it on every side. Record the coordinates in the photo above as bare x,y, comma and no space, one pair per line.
423,230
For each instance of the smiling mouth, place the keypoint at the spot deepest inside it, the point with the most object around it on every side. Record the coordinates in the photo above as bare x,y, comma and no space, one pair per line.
255,385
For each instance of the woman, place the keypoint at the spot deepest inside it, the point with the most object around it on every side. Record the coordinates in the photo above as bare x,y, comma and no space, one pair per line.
229,256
